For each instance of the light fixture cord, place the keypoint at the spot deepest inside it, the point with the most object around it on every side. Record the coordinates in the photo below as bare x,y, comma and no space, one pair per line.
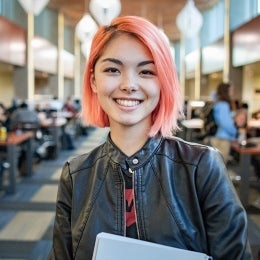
85,7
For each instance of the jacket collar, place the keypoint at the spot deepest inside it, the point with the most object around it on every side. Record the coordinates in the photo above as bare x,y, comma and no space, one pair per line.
138,159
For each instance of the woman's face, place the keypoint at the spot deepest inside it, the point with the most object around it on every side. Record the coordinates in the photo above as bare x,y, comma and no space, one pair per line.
126,82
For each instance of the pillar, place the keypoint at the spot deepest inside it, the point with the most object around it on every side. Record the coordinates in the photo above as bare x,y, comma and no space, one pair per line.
60,64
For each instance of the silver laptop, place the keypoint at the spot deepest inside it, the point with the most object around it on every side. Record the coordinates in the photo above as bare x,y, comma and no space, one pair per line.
113,247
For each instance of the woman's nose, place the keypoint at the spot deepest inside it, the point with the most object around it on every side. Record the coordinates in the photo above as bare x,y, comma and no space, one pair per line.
128,84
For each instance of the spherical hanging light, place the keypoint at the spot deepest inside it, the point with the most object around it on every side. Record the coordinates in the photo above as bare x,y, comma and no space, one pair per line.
86,28
104,11
189,20
33,6
85,47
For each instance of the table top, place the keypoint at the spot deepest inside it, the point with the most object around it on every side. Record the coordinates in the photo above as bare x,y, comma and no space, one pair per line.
15,138
254,123
255,150
57,122
195,123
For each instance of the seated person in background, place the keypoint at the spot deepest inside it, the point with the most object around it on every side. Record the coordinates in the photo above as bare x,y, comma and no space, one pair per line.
3,123
23,115
256,115
70,129
24,119
241,115
256,130
70,107
256,158
4,119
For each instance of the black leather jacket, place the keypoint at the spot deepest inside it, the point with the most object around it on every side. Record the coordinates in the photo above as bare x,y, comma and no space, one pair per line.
183,198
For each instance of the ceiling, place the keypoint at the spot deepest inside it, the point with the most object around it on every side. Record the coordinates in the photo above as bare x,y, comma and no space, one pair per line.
161,12
245,39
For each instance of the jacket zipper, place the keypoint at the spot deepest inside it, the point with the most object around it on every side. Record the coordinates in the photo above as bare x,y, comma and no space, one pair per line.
124,205
133,186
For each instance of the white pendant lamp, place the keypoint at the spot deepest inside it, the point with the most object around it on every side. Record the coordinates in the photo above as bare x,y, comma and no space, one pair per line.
86,28
85,48
189,20
33,6
104,11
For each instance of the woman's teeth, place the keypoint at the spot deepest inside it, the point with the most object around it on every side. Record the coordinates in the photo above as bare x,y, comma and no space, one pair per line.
127,103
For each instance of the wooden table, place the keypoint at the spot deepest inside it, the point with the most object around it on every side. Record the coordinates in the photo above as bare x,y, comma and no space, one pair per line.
14,139
244,166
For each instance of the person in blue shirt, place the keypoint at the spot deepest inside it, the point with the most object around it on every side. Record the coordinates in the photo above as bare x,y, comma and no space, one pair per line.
226,120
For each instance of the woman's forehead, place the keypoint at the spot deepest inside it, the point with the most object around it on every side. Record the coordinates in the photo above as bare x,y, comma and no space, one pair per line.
125,44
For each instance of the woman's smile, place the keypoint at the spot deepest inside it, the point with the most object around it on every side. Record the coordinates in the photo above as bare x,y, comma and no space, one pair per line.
128,102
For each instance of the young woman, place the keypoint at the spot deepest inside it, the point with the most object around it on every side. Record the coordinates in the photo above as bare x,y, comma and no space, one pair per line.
226,120
143,182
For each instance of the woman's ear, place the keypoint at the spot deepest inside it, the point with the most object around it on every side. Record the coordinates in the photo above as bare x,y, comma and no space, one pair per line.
93,82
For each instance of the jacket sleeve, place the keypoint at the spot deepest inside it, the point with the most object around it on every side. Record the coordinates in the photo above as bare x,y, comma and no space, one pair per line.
225,218
62,239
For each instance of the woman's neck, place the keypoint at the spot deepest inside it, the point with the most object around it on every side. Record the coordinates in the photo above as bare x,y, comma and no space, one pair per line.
128,140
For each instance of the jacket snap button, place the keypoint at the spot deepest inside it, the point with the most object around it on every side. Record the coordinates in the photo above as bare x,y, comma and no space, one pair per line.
135,161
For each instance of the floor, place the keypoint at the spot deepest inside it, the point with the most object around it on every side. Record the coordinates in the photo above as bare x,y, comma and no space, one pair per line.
26,218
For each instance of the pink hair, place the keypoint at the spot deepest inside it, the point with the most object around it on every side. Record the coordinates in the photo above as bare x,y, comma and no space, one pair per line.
166,114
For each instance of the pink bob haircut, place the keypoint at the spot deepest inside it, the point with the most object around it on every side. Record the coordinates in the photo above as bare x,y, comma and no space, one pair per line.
169,108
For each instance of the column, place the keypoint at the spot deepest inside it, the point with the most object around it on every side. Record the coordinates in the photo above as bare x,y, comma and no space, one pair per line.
198,70
182,67
77,70
60,60
24,76
30,56
226,68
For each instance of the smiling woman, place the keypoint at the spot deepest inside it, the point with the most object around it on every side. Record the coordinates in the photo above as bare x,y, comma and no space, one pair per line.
158,57
142,176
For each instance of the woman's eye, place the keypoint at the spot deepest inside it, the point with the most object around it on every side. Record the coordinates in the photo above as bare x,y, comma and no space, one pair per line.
111,70
147,72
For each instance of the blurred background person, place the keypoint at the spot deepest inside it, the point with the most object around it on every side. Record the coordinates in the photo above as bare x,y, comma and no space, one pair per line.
23,115
4,119
227,120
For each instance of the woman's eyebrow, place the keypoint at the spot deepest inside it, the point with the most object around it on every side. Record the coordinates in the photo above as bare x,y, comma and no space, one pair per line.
113,60
146,62
116,61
